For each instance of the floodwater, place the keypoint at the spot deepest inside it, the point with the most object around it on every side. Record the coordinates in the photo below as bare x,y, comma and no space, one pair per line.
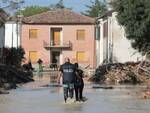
32,98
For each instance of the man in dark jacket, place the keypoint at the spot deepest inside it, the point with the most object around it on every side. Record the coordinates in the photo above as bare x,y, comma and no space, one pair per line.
67,72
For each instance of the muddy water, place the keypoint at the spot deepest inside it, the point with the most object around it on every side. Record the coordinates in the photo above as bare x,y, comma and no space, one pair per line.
32,98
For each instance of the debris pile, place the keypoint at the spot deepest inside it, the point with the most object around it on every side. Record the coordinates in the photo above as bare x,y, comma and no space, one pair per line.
11,76
127,73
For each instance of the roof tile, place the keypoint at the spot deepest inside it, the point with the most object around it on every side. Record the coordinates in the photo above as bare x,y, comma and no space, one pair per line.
59,16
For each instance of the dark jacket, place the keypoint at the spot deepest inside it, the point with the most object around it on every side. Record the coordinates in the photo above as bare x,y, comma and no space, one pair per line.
68,71
79,77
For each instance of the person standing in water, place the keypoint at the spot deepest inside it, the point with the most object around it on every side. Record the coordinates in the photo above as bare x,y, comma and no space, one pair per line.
79,83
67,72
40,68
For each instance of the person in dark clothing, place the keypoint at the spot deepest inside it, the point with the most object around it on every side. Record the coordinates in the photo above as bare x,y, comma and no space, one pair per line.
55,64
28,66
79,83
39,61
67,71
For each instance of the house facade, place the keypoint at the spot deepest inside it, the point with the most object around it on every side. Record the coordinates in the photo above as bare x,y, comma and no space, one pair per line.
56,34
111,42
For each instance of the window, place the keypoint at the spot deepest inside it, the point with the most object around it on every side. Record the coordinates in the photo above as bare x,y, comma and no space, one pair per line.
105,29
80,34
97,32
80,56
33,56
33,33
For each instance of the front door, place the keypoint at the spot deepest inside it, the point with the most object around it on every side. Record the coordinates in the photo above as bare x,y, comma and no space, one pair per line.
56,37
56,57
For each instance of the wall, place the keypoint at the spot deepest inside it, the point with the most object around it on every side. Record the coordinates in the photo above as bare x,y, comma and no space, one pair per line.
119,47
122,49
68,34
87,45
36,44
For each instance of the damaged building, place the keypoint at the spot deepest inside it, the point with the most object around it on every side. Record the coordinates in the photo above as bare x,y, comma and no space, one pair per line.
112,46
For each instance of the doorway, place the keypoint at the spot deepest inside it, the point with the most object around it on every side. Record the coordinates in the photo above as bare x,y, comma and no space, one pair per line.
55,57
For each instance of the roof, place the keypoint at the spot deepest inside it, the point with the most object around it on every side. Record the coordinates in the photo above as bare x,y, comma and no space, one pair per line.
3,16
59,16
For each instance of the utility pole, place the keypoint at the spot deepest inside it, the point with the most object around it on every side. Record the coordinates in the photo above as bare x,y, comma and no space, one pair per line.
19,28
12,34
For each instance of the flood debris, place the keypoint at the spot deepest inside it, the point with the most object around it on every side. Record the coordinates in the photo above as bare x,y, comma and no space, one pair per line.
103,87
119,73
145,94
11,76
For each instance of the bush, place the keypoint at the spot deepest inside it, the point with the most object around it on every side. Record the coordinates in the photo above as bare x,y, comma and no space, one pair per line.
13,56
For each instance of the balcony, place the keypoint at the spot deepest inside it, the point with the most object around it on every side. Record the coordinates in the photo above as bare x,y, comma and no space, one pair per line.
51,45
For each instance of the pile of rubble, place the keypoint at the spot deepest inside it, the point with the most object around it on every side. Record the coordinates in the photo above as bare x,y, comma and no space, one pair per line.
127,73
11,76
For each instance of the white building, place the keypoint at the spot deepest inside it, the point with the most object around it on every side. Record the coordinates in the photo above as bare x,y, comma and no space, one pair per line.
9,32
12,34
111,42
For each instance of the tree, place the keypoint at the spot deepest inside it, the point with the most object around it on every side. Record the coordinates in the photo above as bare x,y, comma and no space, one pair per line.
13,56
3,17
135,17
96,8
60,4
32,10
10,4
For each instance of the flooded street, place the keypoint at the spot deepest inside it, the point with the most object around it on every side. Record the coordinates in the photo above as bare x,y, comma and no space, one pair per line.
32,98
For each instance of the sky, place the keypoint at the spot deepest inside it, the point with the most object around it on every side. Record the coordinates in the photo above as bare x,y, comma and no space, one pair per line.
76,5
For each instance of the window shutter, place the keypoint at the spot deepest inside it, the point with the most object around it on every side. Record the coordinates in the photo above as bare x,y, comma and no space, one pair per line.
80,34
80,56
33,33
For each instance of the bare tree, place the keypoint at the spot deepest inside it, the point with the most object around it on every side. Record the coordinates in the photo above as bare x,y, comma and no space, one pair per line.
10,5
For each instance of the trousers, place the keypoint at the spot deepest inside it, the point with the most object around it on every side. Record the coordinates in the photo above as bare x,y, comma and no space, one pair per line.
68,90
79,92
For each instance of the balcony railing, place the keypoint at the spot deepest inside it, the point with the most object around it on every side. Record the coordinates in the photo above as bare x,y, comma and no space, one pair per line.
61,45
